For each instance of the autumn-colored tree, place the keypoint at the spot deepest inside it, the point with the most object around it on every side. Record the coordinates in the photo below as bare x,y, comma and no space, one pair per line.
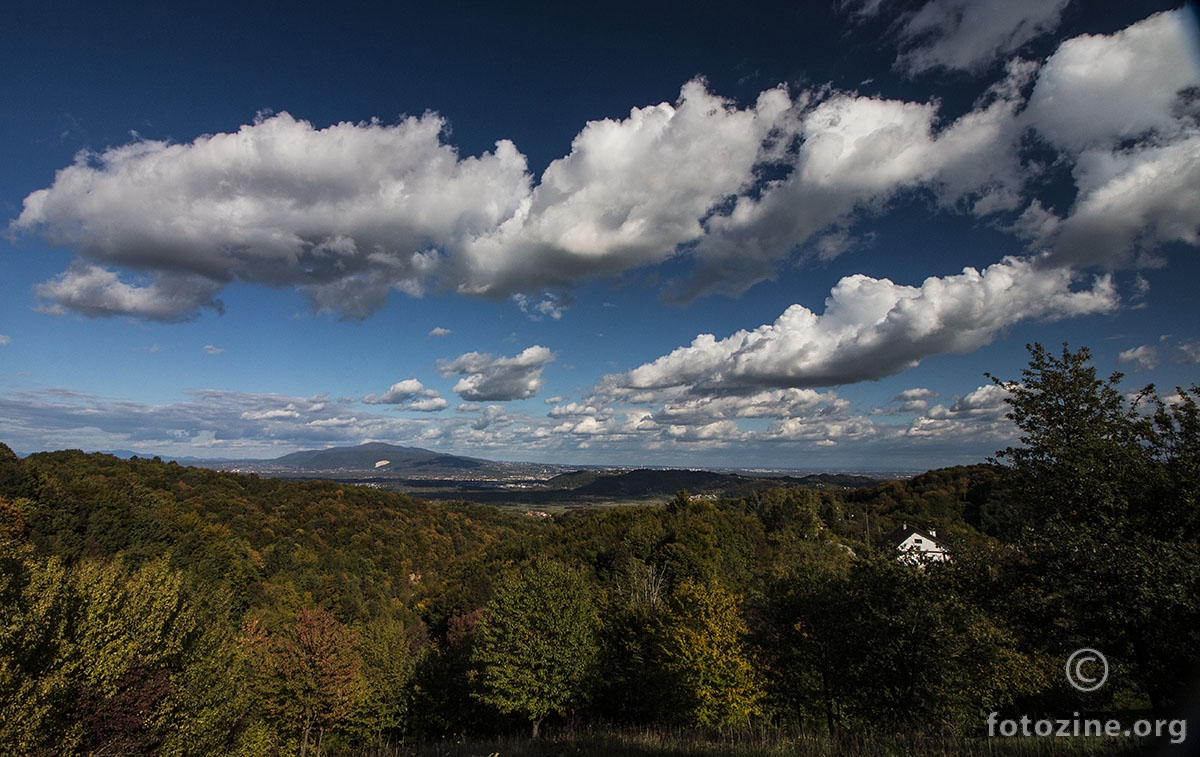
307,674
707,669
536,645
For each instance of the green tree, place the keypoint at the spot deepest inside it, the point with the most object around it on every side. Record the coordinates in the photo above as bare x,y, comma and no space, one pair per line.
385,646
536,644
35,692
893,645
1101,506
103,658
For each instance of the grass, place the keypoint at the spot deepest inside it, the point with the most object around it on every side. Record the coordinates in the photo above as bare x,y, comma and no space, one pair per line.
668,742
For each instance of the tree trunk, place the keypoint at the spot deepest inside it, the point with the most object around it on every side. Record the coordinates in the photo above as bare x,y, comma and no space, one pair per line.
828,697
304,739
537,726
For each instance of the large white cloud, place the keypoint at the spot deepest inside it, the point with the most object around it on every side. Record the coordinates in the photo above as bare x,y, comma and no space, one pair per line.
873,328
628,194
486,378
347,212
1131,202
1097,89
1123,107
855,154
352,212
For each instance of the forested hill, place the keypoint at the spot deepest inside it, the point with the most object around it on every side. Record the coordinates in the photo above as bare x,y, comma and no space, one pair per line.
148,607
225,550
665,482
250,530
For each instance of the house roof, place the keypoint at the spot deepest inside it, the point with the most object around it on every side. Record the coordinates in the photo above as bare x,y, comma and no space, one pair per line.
898,536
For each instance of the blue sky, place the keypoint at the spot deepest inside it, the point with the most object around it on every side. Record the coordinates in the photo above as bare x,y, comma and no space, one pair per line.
786,235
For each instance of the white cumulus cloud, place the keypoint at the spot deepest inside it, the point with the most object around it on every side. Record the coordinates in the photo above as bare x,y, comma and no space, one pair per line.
486,378
346,213
1096,89
1124,108
873,328
409,394
855,153
970,34
628,194
1145,357
352,212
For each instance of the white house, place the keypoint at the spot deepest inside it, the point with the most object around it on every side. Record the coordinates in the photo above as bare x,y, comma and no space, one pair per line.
915,546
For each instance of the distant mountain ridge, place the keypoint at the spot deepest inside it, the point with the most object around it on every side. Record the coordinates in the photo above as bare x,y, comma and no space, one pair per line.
366,457
382,462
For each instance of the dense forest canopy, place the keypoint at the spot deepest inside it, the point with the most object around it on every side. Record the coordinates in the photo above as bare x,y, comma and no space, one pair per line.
147,607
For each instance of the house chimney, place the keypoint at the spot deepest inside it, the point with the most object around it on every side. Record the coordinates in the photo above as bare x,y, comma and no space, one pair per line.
933,532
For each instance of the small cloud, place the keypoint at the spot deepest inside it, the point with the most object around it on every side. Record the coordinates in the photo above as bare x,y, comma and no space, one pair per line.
428,405
920,393
409,394
909,401
964,35
1189,352
490,416
209,349
5,340
550,305
1141,287
438,331
1145,356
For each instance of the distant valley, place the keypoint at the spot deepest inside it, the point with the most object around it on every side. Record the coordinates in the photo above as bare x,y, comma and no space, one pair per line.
440,476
